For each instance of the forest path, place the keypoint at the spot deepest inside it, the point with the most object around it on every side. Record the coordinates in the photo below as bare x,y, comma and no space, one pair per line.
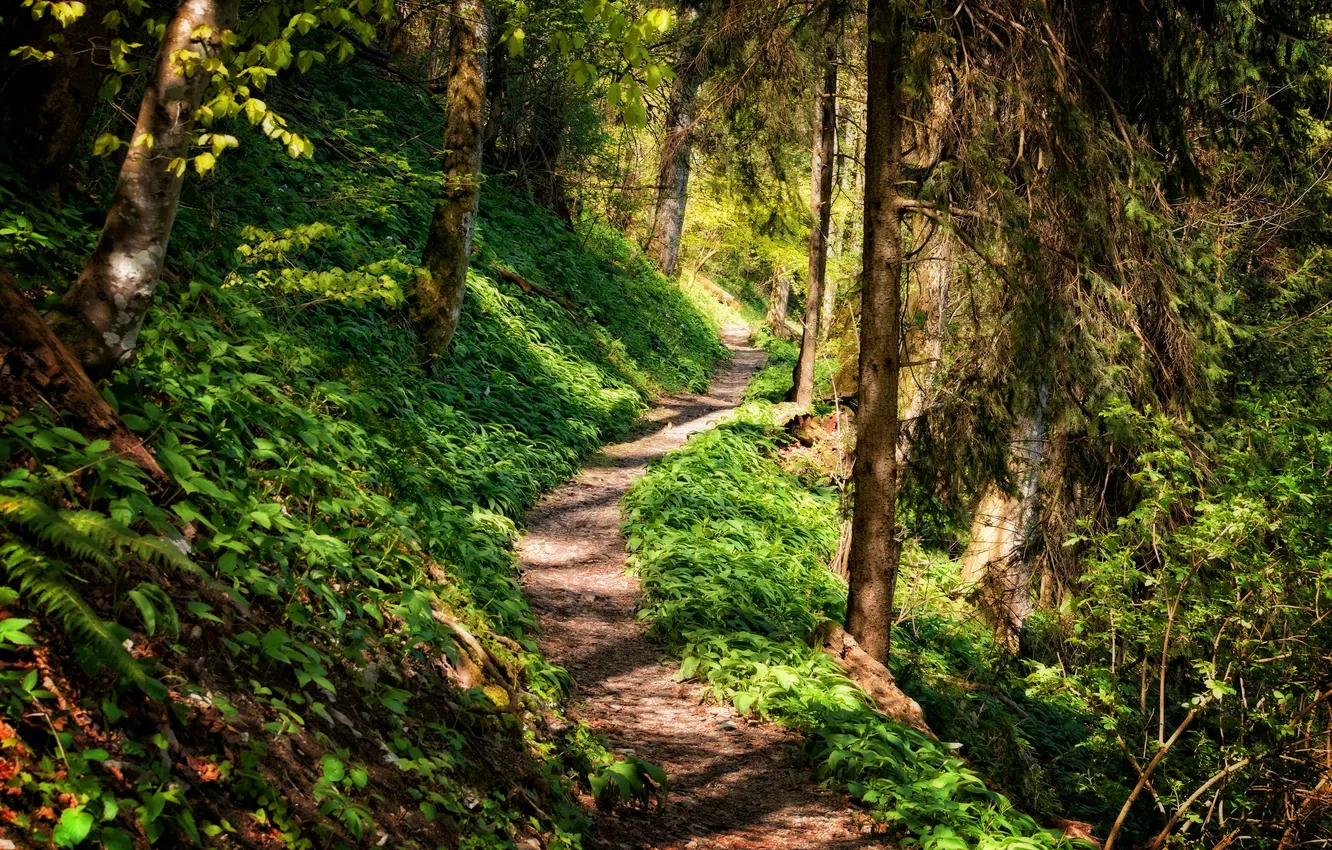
731,785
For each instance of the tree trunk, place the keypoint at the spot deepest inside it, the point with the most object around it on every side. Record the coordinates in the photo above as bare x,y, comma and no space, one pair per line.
673,169
37,370
497,87
924,340
45,105
996,562
872,675
927,299
874,546
437,53
820,208
855,190
777,301
101,314
437,293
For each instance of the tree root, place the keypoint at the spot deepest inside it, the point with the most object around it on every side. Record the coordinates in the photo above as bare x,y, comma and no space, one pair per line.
529,287
38,369
874,678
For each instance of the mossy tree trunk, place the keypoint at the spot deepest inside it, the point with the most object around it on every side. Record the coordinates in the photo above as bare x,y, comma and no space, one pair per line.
99,317
436,294
673,168
820,208
875,551
777,302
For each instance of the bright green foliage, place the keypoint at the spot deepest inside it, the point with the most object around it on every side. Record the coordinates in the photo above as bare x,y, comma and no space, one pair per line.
731,550
775,379
335,493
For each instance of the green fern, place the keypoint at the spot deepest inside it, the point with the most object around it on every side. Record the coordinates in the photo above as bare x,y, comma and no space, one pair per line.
44,585
94,539
51,526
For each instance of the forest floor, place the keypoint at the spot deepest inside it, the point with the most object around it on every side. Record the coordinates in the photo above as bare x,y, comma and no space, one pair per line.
732,786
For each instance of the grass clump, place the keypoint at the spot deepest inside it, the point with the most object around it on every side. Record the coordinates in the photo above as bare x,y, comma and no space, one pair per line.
731,551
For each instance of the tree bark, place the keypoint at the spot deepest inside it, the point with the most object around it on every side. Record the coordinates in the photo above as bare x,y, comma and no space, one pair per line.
875,678
924,341
927,299
437,52
673,169
436,296
875,549
45,105
101,314
996,562
38,370
820,208
777,302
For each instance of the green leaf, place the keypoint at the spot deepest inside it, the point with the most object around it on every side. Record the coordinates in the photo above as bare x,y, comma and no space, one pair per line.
146,610
74,826
333,769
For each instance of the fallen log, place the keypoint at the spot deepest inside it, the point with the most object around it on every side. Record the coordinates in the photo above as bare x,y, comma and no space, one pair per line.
529,287
875,679
37,369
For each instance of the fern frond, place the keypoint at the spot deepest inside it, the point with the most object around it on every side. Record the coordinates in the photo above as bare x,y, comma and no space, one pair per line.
44,586
164,553
115,537
53,527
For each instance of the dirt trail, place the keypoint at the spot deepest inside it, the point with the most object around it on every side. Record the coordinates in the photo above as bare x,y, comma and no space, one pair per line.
731,783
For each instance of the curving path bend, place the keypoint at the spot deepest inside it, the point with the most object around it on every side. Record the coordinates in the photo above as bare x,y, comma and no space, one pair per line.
731,785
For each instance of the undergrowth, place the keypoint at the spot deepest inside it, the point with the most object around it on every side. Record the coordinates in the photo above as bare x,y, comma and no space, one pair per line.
777,375
274,652
731,550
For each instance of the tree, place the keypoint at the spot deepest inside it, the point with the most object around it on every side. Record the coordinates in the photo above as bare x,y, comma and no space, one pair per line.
37,370
674,164
50,70
437,293
777,301
934,249
101,314
996,562
873,560
820,209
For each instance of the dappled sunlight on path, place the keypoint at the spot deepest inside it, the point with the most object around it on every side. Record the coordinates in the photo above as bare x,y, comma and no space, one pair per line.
731,783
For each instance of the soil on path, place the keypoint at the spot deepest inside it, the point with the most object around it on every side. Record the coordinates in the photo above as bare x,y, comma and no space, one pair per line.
731,784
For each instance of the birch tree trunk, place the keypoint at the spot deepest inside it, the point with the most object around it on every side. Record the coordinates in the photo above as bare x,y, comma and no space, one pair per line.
673,169
875,551
996,562
436,296
820,208
101,314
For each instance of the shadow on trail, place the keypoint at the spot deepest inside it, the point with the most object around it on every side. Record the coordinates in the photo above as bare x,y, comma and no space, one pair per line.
732,783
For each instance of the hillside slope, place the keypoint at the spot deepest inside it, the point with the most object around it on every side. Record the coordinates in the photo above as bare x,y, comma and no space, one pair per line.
315,638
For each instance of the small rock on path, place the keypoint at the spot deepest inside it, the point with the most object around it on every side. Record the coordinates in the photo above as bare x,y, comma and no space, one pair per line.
731,784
